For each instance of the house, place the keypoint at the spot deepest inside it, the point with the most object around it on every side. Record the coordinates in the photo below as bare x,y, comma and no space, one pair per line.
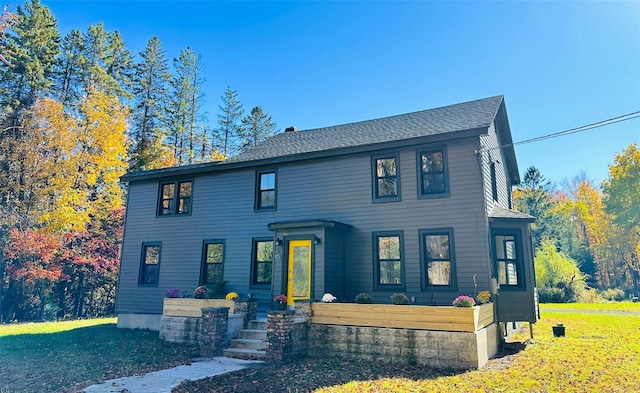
418,203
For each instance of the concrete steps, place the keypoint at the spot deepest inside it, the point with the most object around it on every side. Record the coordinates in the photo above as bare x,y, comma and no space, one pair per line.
250,343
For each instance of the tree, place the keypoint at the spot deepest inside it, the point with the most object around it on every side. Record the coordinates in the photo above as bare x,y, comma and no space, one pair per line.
622,188
229,120
31,270
150,112
622,201
108,62
186,116
256,127
535,197
32,47
68,82
554,270
7,20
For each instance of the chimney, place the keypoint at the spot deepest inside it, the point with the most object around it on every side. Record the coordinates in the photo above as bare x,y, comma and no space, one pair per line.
291,129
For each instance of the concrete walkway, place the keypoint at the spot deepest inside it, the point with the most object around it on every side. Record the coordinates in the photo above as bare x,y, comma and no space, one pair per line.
164,380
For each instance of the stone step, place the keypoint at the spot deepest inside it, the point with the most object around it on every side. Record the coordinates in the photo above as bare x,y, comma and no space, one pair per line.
245,354
258,334
258,324
248,343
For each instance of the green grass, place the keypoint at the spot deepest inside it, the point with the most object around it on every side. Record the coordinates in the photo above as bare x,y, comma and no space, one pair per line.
626,306
66,356
601,353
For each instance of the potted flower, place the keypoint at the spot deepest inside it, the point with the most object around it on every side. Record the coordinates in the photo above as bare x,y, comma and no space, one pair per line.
328,298
200,292
173,293
399,298
231,296
280,301
483,297
464,301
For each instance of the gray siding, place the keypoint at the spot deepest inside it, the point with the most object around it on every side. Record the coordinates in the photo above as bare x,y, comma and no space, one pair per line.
337,189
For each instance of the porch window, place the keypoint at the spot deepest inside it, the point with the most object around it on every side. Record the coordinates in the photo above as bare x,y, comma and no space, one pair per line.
266,190
149,264
212,262
386,178
509,264
437,255
432,172
261,262
175,198
389,259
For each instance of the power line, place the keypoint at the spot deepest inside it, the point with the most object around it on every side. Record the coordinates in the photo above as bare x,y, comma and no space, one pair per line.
586,127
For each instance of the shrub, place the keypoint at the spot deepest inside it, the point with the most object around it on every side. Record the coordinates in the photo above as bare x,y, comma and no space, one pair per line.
282,299
399,298
173,293
363,298
613,294
231,296
200,292
589,295
551,295
464,301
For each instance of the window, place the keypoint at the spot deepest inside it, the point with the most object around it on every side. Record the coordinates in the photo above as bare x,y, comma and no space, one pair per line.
433,173
149,264
261,262
509,265
175,198
266,190
436,249
386,178
212,262
494,182
388,254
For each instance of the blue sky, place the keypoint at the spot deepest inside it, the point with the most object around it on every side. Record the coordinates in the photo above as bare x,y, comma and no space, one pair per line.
559,64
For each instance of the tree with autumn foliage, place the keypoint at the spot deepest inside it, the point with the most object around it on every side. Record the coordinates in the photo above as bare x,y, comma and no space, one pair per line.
31,270
622,201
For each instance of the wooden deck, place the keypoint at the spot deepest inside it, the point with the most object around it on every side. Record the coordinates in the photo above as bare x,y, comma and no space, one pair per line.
443,318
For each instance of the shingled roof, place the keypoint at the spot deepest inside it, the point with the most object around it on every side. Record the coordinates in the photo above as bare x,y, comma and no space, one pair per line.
473,117
459,117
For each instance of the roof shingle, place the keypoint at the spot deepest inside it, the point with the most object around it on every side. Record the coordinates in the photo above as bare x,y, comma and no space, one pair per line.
447,119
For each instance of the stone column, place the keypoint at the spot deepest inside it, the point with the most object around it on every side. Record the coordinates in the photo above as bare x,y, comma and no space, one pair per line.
303,309
248,307
213,331
280,346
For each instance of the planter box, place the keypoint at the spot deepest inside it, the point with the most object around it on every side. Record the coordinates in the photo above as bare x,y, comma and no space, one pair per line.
186,307
443,318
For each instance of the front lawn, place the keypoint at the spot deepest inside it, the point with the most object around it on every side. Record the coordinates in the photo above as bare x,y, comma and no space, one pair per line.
65,356
601,353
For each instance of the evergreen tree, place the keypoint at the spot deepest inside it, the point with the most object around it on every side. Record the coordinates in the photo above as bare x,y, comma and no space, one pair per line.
32,46
109,63
69,69
535,197
256,127
229,120
186,115
150,88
